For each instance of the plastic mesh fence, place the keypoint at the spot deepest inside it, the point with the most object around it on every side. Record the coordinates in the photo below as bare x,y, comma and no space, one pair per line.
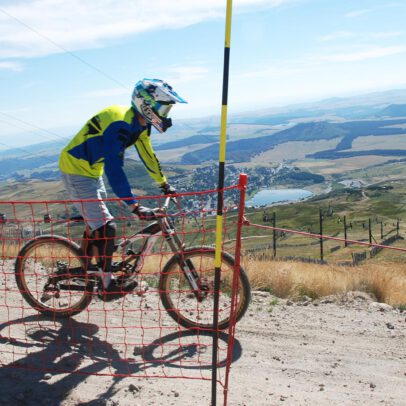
153,325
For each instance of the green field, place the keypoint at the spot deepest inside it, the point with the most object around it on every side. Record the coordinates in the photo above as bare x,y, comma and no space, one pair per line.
382,205
381,199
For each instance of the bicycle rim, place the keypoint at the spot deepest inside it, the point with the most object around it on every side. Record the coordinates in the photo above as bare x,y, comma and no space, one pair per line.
181,302
42,258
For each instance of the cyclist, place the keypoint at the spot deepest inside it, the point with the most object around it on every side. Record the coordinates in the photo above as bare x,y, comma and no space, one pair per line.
99,147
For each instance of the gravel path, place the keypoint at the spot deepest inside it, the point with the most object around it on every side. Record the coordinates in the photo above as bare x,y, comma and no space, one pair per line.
340,351
337,351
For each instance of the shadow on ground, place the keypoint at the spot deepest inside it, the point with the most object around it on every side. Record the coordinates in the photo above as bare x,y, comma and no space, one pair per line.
54,357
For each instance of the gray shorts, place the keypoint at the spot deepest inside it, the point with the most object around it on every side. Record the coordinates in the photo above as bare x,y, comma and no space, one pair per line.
96,214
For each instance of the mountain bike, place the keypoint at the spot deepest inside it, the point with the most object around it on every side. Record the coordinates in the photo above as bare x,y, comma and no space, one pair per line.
57,279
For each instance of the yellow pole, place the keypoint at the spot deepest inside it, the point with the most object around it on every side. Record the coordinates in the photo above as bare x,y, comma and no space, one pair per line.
220,203
223,134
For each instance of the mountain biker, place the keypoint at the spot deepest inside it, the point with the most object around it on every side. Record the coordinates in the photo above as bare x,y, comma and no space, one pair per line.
99,147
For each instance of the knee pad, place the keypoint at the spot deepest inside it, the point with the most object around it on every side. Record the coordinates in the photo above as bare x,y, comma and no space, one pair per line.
107,230
103,239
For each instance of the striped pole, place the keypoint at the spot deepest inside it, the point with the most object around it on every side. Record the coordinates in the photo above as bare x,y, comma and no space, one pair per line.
219,222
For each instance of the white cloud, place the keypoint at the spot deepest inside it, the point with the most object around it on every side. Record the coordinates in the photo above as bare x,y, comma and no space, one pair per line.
382,6
388,34
116,91
343,35
371,53
27,26
175,75
338,35
184,74
357,13
282,69
11,65
313,80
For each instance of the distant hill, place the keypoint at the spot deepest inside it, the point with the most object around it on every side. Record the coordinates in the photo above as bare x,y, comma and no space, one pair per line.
250,133
394,110
184,142
42,148
27,163
35,158
242,150
239,151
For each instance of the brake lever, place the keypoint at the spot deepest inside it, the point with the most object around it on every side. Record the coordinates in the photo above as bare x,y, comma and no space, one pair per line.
169,199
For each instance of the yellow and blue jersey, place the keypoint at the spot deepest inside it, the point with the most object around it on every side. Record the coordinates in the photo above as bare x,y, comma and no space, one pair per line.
100,145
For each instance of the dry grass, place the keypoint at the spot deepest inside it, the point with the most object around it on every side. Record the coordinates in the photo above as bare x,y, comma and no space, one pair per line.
387,282
9,251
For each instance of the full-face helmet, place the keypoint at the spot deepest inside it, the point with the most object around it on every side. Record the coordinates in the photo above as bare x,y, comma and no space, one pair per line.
153,99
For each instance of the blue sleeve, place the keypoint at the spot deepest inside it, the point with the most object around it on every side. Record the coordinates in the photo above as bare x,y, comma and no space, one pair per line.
115,140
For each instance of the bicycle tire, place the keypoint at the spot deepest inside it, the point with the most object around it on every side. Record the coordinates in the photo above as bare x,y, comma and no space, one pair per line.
180,301
41,254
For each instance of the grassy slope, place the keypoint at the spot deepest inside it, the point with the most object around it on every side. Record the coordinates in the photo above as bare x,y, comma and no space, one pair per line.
382,204
291,279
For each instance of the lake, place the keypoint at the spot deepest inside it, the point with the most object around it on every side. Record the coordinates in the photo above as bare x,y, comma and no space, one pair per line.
270,196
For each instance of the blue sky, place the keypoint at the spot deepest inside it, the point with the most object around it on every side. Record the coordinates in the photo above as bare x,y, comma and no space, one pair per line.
63,60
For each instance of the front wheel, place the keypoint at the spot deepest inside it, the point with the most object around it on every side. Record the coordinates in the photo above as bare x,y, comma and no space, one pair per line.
50,274
181,302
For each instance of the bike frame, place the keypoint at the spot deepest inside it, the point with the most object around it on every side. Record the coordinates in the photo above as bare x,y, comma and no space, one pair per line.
162,227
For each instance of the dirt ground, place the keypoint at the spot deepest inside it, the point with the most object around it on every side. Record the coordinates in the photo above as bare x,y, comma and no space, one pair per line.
345,350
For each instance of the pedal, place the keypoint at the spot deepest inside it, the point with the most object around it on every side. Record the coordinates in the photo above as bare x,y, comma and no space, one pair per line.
116,290
121,278
61,266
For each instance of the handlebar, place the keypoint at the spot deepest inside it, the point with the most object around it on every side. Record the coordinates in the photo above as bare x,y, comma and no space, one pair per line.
169,199
164,208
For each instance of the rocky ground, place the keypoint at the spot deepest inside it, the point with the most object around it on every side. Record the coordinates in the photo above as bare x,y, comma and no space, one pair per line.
346,350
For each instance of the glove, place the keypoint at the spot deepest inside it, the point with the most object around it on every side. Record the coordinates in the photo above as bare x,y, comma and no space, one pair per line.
144,213
167,189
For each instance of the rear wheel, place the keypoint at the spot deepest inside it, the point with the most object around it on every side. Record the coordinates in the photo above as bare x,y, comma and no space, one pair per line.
180,301
50,274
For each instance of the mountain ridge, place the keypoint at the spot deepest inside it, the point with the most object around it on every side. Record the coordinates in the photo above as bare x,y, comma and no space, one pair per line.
248,133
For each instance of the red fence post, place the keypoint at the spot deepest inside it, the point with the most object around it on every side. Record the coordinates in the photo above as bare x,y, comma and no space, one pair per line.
234,294
274,235
321,217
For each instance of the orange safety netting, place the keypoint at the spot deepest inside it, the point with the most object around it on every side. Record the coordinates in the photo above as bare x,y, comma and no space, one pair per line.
57,317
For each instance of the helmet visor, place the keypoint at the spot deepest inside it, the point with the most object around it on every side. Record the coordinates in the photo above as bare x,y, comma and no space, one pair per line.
163,109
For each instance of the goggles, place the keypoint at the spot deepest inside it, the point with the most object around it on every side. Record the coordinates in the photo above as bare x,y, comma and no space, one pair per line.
155,116
162,109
